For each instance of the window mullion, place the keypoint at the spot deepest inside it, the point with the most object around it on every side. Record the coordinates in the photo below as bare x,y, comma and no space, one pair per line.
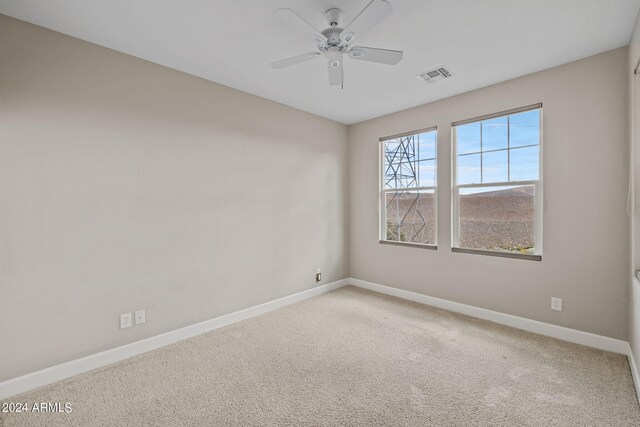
499,184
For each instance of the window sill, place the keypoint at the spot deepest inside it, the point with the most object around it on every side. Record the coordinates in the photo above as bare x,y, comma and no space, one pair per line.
498,254
408,244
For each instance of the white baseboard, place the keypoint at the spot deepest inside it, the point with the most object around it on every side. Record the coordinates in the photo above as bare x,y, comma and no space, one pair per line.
634,371
74,367
547,329
59,372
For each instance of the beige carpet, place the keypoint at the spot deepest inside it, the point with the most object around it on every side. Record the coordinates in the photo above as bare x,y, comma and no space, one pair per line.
352,357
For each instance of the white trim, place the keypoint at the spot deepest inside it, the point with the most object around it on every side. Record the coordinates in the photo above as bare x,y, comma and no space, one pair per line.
560,332
59,372
634,371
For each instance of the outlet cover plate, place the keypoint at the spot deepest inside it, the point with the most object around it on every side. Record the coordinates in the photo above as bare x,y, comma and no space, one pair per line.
556,304
140,317
125,320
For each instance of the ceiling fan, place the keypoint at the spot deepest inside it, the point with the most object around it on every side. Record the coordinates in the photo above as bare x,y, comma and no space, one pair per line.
334,42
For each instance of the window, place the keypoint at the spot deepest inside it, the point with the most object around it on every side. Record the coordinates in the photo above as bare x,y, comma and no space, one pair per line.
408,194
497,184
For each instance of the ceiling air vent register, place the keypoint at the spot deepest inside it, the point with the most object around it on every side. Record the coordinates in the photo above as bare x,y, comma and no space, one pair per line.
438,73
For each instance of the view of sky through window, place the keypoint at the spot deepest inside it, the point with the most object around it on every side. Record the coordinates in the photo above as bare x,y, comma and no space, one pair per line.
410,161
501,149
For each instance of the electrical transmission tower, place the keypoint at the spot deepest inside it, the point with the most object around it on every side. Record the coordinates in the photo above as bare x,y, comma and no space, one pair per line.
400,156
404,209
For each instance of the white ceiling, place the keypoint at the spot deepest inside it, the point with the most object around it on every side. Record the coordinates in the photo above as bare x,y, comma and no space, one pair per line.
232,42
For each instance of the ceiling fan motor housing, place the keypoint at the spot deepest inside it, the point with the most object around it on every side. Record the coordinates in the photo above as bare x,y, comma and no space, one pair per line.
332,33
334,16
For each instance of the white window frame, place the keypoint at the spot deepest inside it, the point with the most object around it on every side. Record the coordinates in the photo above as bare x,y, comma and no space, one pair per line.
382,214
455,189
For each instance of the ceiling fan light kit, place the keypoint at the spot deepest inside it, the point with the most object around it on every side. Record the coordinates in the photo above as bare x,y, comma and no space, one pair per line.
335,41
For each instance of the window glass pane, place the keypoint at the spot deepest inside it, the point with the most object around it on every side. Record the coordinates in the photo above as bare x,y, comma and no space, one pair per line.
469,169
498,218
495,166
426,145
524,164
391,151
399,151
401,175
468,137
524,128
427,173
410,217
495,134
399,159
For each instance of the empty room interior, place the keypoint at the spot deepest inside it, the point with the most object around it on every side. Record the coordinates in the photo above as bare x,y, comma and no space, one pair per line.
319,213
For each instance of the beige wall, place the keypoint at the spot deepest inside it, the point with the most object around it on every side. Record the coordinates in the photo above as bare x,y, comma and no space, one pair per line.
127,185
585,252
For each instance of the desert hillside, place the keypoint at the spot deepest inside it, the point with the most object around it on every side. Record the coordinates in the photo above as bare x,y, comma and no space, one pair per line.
495,220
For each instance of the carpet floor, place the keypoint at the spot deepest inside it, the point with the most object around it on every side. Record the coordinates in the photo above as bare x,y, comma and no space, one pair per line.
351,357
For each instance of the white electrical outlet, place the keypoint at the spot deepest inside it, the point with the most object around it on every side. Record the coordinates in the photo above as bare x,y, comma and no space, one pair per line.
556,304
140,317
125,320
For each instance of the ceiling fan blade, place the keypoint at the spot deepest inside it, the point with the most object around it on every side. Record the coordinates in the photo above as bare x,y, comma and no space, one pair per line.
374,13
372,54
336,73
294,21
294,60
